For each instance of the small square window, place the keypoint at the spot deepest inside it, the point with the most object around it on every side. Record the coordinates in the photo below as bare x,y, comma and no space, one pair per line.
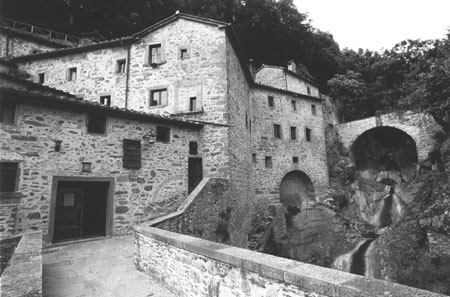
295,160
308,134
96,124
294,105
131,154
184,53
8,176
155,54
276,131
7,111
193,104
193,148
308,90
313,109
121,66
162,134
271,101
105,100
268,162
293,133
41,78
72,74
158,97
86,166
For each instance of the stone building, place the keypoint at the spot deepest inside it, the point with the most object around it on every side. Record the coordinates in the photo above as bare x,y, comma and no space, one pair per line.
184,79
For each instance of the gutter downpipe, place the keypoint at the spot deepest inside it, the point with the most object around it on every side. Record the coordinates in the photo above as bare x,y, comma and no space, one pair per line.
127,77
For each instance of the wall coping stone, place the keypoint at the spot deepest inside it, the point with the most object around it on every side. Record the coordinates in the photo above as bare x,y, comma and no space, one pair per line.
305,276
23,277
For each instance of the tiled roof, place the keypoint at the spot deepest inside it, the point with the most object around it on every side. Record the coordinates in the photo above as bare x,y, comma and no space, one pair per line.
37,93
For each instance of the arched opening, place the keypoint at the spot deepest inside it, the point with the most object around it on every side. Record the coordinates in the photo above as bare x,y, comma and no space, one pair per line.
384,149
296,187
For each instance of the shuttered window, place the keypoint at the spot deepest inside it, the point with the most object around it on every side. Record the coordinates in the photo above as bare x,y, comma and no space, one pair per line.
131,154
8,176
158,97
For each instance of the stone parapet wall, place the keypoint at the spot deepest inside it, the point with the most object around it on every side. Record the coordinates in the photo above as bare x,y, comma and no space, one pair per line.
417,125
23,277
439,243
195,267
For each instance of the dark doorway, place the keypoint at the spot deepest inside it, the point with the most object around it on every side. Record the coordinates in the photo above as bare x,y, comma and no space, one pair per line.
195,169
80,210
295,188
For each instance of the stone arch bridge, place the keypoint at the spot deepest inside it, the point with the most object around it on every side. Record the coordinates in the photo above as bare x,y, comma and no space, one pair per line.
419,126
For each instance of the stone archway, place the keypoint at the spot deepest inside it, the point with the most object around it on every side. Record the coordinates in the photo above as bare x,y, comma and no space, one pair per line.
296,187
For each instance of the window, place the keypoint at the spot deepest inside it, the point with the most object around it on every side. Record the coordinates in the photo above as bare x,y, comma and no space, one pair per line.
276,131
268,162
131,154
105,100
294,105
41,78
8,176
308,90
313,109
72,74
246,120
271,102
184,53
308,134
120,66
155,54
193,104
86,166
96,124
293,133
193,148
254,158
7,111
158,97
162,134
295,160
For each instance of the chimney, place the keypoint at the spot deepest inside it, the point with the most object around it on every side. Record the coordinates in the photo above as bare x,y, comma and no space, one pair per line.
291,66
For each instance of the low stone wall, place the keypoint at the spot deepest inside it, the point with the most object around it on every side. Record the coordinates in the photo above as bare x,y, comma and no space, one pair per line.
195,267
439,242
23,277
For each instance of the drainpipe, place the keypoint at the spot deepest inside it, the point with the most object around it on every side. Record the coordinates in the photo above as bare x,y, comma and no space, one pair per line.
127,76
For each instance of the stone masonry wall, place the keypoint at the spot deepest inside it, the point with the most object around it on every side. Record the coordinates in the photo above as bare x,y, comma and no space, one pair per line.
196,267
419,126
239,135
160,184
96,74
18,46
311,155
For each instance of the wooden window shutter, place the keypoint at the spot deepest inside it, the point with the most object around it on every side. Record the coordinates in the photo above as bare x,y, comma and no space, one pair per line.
163,52
164,95
131,154
147,55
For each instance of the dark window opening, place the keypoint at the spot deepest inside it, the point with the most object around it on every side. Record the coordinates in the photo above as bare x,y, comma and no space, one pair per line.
293,133
193,148
313,109
162,134
308,134
96,124
155,52
294,105
120,66
41,78
192,103
158,97
58,145
295,160
254,158
86,166
8,176
308,90
7,111
246,120
131,154
276,131
184,53
271,101
268,162
72,75
105,100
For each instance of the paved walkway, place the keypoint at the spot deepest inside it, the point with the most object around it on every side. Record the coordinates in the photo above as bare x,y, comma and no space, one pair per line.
100,268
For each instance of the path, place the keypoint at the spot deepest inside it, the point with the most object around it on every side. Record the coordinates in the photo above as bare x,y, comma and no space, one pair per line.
100,268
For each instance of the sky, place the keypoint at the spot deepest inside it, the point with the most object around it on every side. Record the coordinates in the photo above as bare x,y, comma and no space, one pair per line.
378,24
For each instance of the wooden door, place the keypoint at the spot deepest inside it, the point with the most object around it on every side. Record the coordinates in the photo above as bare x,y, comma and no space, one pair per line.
68,214
195,170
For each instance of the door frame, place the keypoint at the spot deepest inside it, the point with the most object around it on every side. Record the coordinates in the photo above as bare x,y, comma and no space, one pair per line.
54,192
